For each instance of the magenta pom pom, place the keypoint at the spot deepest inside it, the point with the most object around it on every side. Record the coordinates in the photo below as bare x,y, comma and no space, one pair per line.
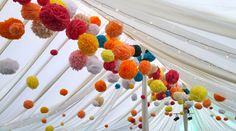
43,2
172,76
55,17
53,52
110,66
77,60
75,29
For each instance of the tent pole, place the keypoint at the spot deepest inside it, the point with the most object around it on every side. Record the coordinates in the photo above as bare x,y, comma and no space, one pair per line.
185,116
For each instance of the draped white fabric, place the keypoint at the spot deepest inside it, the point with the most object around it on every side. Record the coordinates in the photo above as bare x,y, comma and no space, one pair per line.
190,36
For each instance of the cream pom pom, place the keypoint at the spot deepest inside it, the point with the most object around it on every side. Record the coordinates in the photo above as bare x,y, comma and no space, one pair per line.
40,30
8,66
98,101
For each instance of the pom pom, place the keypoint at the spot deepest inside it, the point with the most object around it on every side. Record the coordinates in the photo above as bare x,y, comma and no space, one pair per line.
121,52
63,92
206,103
198,93
22,2
218,97
106,126
94,65
91,118
189,104
138,77
168,108
140,119
145,67
100,86
81,114
58,2
42,2
128,69
95,20
32,82
28,104
92,29
54,17
98,102
71,6
133,112
138,50
114,29
112,78
49,128
75,28
44,120
77,60
226,119
88,44
107,56
134,97
218,118
110,66
198,106
127,83
53,52
40,30
101,40
140,126
156,103
8,66
143,97
117,86
149,56
30,11
110,44
12,29
82,17
157,86
172,76
44,110
178,96
160,95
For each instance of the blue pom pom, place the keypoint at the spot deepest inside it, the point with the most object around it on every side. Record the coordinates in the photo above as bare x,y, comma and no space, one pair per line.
167,93
138,77
186,91
149,56
101,40
139,58
117,86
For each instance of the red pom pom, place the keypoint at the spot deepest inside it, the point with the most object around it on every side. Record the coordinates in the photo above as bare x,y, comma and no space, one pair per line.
75,29
43,2
54,52
156,75
55,17
172,102
160,96
143,97
110,66
172,76
63,92
22,2
148,104
140,126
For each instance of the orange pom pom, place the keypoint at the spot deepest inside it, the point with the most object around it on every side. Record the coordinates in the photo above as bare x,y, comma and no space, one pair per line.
44,120
198,106
167,113
114,29
153,114
140,119
132,50
121,52
63,92
226,119
28,104
145,67
218,118
110,44
100,86
207,103
44,110
133,112
81,114
218,97
106,126
128,69
12,29
95,20
30,11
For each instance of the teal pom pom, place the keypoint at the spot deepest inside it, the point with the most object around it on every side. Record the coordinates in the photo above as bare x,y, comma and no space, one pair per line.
101,40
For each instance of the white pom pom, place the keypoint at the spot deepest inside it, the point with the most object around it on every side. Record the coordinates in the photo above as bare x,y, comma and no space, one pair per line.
71,7
112,78
93,29
126,83
94,65
8,66
134,97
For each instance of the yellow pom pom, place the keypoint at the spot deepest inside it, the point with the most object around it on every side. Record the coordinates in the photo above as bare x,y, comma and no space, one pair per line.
157,86
180,102
32,82
149,82
108,56
181,113
198,93
131,86
59,2
88,44
168,108
153,98
62,124
49,128
44,110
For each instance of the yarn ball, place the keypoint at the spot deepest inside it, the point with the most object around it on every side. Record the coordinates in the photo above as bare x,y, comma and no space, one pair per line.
53,52
206,103
149,56
218,97
55,17
138,77
12,29
30,11
32,82
127,83
134,97
133,112
43,2
58,2
110,66
198,93
93,29
114,29
138,50
22,2
77,60
91,118
178,96
94,65
44,120
145,67
75,28
218,118
63,92
44,110
157,86
117,86
28,104
168,108
49,128
8,66
95,20
107,56
128,69
101,40
40,30
88,44
81,114
112,78
198,106
121,52
98,101
82,17
172,76
100,86
221,111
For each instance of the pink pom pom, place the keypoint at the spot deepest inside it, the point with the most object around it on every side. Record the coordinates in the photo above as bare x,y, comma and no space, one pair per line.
110,66
55,17
172,76
93,29
75,29
54,52
43,2
77,60
22,2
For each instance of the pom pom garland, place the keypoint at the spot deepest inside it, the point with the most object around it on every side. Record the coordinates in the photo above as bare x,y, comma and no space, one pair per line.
128,69
101,40
88,44
40,30
107,56
145,67
28,104
30,11
32,82
100,86
75,28
95,20
8,66
198,93
114,29
77,60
